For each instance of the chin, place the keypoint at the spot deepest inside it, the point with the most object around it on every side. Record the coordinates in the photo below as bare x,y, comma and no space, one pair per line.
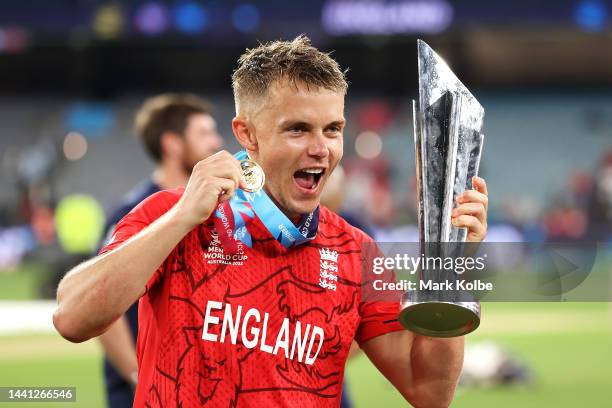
301,208
308,208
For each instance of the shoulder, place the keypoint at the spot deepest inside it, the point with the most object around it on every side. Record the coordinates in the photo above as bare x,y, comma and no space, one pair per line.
146,212
157,204
131,200
333,224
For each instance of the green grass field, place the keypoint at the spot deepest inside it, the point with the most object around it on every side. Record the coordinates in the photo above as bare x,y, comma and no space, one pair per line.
568,345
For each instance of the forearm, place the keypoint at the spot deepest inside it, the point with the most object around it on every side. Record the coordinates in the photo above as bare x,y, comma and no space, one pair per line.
118,344
97,292
435,367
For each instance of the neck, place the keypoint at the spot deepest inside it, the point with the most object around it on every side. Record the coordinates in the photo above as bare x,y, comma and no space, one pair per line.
293,216
168,176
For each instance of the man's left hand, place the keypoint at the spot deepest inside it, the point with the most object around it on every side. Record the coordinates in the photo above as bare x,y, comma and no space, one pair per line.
471,211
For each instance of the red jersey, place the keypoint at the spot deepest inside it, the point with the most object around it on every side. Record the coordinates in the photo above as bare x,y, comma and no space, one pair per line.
263,327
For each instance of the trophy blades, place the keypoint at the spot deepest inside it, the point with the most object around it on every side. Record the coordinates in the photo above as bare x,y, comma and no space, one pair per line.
436,79
417,126
451,166
435,145
469,151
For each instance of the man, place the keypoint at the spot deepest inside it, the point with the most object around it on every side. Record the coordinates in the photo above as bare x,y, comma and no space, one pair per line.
177,131
259,327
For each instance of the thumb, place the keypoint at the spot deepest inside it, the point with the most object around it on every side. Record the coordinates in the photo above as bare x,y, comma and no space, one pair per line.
480,185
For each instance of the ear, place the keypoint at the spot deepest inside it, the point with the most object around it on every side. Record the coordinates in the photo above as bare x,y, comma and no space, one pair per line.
244,133
171,145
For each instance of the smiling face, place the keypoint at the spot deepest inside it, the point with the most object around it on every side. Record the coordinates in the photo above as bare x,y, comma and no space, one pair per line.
296,137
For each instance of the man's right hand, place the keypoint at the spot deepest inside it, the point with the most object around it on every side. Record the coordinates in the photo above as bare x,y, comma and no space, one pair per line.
96,293
213,181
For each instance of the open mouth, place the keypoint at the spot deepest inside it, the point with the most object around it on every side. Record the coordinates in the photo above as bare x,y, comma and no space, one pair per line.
309,178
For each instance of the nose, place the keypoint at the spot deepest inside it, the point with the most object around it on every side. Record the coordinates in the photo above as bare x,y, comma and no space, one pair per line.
318,146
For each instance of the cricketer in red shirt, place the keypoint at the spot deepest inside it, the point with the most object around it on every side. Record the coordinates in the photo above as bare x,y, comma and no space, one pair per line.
266,326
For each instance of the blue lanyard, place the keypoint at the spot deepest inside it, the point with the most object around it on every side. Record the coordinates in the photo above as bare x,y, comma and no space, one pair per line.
245,206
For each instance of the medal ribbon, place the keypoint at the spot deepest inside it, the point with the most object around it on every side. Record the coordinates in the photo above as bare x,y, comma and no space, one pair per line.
233,217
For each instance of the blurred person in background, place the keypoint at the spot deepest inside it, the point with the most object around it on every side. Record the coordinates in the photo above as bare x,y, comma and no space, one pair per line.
600,205
333,197
177,130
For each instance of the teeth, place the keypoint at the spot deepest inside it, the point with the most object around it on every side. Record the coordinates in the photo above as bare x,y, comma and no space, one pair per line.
313,171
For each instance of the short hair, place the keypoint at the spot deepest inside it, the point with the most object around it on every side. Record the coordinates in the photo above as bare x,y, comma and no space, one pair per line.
166,113
296,61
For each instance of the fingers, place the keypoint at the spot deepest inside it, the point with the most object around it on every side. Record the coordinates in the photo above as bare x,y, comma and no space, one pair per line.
228,172
473,196
237,171
480,185
225,188
476,230
213,181
221,164
234,166
476,209
471,211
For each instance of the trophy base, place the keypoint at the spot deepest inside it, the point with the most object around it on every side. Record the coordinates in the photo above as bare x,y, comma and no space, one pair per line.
440,319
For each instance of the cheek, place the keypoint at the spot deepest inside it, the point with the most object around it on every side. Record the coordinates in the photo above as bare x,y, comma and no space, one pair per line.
192,144
336,149
272,161
279,153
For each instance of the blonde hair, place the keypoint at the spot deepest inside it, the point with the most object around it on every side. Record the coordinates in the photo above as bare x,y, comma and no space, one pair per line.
296,61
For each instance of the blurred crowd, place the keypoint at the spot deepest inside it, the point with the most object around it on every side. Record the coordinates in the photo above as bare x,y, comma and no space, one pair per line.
379,185
583,210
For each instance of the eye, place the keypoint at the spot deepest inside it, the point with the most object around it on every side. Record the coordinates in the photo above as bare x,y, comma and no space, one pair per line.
297,129
334,130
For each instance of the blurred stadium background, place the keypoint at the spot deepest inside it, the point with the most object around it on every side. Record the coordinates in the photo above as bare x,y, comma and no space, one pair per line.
73,72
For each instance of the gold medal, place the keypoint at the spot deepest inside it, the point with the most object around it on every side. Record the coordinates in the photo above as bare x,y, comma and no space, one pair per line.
253,175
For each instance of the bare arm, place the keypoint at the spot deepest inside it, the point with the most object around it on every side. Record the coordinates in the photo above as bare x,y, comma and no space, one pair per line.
118,344
97,292
424,370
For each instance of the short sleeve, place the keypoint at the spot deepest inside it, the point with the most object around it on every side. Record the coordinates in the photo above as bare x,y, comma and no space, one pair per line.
377,318
378,311
141,216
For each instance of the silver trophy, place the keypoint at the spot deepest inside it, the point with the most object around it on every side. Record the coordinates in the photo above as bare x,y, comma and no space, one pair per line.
448,142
